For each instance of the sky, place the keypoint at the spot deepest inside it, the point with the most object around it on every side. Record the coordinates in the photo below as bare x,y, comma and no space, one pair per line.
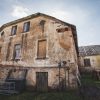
84,14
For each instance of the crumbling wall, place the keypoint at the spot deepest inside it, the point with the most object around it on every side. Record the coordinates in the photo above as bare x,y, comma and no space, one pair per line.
4,73
53,78
60,47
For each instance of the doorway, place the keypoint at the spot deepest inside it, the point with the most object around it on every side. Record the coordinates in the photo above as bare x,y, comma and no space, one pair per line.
42,81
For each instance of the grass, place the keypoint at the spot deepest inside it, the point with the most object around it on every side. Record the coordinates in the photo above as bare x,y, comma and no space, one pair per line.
68,95
86,79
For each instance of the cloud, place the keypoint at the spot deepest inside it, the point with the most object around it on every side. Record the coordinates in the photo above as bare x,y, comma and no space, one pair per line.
77,16
19,11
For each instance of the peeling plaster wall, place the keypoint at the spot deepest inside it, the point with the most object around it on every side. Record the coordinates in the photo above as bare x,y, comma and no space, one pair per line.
53,77
60,47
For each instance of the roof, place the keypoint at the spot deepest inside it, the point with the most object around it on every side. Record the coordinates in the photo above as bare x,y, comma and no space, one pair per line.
89,50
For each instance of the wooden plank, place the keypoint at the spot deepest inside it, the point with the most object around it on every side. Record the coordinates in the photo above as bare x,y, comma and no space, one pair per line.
42,81
41,49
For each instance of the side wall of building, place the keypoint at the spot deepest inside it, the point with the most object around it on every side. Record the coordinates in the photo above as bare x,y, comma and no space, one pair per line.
29,41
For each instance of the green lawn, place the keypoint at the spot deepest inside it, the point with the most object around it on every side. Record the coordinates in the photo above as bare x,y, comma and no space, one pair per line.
86,79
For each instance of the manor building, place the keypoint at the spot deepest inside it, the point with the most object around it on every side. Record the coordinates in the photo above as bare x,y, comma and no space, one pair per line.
44,46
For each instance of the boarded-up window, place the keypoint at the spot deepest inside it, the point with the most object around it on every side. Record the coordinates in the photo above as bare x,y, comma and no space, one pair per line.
14,30
41,49
87,63
26,27
17,51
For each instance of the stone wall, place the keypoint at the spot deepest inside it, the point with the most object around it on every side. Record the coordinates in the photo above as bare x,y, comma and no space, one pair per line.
57,41
60,47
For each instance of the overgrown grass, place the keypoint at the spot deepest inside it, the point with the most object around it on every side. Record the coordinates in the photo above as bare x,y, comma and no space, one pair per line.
68,95
86,79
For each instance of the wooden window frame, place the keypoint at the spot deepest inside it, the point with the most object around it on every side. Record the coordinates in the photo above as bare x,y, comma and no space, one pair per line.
14,30
27,26
14,54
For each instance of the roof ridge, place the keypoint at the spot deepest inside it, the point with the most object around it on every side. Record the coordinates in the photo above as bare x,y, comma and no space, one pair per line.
29,17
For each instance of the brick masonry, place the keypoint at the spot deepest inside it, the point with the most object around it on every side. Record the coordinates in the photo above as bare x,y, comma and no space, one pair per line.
61,46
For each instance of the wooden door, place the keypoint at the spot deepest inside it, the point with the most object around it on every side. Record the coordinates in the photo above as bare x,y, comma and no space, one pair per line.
42,81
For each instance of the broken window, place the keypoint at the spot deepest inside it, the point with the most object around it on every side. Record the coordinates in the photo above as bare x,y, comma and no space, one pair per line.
26,27
62,29
14,30
41,53
87,62
17,51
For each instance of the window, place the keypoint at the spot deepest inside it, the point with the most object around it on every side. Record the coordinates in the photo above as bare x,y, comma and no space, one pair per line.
26,27
87,62
17,51
14,30
41,49
62,29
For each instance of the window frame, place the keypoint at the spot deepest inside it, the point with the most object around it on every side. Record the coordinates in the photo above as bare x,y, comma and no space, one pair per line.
87,62
14,54
27,26
14,30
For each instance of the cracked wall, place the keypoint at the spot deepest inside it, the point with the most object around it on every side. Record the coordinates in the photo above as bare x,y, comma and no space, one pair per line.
60,47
